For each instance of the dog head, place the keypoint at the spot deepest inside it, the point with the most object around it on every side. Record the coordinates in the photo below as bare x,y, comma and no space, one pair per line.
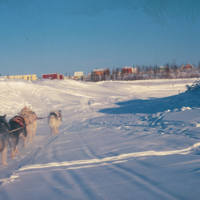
3,119
3,122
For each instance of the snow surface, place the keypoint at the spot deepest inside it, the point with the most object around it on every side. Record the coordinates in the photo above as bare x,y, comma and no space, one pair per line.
118,140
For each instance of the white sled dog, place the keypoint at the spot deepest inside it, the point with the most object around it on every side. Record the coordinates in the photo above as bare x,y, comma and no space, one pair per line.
54,121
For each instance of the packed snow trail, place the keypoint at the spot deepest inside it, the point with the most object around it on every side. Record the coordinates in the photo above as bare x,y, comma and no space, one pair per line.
107,148
112,159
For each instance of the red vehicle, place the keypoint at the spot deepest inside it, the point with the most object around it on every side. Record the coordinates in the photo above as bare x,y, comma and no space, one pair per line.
53,76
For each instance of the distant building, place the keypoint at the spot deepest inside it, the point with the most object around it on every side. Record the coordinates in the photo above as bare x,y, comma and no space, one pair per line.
78,75
31,77
162,68
100,74
53,76
129,70
187,67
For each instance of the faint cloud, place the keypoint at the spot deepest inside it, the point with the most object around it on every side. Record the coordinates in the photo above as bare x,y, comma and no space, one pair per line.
188,9
159,10
171,9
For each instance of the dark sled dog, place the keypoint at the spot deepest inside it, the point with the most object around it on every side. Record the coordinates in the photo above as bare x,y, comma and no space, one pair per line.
17,129
4,136
54,121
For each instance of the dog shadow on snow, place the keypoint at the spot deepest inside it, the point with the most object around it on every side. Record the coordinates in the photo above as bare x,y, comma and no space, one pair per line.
155,105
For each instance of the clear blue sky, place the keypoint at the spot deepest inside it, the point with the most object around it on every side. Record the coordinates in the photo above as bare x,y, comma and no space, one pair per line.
45,36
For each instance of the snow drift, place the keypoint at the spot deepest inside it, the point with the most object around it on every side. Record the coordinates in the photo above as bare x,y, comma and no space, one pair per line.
118,140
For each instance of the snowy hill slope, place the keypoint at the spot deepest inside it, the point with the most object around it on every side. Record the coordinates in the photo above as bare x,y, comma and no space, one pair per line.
118,140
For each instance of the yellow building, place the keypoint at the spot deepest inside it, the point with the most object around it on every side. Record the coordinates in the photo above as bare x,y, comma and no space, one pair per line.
31,77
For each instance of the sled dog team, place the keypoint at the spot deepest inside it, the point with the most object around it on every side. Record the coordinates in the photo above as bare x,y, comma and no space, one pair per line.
23,125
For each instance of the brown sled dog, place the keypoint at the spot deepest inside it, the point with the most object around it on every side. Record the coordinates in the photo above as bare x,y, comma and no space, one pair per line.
54,121
30,119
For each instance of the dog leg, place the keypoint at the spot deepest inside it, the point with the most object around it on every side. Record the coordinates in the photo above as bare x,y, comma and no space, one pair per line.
24,140
52,131
4,156
17,150
29,133
35,128
57,130
12,153
30,138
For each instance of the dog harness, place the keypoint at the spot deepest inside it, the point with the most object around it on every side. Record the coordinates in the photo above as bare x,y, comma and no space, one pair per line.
19,120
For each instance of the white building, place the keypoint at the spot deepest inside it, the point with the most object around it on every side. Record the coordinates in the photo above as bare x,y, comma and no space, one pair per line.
78,75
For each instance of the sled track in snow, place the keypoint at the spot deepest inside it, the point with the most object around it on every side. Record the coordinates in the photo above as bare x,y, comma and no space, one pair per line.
11,175
109,160
143,181
21,167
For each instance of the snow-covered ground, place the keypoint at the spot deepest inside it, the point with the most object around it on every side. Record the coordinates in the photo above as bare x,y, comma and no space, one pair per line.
118,141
